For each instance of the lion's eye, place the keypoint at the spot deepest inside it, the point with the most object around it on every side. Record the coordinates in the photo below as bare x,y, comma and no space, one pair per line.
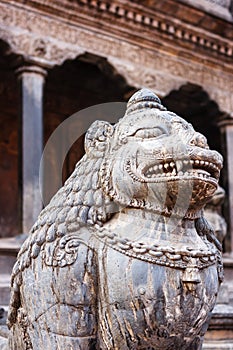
150,132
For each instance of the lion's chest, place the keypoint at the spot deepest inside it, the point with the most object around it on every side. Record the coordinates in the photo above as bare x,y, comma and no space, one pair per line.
140,298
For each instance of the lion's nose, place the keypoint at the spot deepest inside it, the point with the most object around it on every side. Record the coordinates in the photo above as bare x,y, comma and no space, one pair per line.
199,140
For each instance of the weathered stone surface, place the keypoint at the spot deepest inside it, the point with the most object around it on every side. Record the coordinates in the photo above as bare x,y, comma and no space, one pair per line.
122,257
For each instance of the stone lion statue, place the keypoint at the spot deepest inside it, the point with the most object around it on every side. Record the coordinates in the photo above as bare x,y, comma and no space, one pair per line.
122,257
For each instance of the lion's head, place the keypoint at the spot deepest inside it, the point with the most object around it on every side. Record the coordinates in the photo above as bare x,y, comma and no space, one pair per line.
154,159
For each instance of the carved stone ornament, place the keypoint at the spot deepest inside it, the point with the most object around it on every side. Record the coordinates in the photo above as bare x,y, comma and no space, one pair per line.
213,213
122,257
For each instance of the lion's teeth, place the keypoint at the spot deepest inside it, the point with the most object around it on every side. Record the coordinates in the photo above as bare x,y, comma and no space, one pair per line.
179,165
174,168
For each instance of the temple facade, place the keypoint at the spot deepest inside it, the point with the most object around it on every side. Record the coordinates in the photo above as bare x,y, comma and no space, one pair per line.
58,57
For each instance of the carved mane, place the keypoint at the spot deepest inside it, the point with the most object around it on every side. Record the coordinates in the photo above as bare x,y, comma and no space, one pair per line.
81,201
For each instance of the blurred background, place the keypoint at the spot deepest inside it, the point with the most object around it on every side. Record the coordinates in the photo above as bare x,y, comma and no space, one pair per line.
58,57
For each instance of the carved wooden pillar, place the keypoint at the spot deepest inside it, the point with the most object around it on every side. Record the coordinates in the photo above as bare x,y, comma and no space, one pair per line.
226,127
31,81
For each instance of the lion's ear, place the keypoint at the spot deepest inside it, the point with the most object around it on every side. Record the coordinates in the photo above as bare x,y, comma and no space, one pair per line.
97,137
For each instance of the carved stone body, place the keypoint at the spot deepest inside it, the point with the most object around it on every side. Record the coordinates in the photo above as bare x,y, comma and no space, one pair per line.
122,258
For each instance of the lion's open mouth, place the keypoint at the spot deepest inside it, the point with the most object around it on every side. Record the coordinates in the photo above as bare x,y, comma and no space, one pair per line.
180,169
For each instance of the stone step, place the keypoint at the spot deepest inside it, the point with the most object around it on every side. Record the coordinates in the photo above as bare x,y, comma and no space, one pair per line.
4,331
6,264
9,248
4,289
218,345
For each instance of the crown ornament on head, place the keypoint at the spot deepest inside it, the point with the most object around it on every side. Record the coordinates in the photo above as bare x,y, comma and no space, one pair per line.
144,99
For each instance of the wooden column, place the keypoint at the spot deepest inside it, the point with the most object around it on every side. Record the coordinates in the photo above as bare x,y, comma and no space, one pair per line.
31,81
226,127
